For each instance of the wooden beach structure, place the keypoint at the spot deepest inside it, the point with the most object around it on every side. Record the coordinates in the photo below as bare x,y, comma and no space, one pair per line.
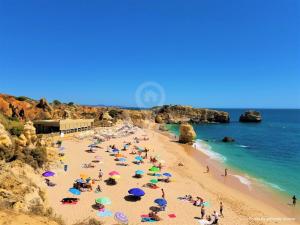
63,126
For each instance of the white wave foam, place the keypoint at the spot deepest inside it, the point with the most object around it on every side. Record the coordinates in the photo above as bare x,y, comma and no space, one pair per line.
275,186
244,146
243,180
206,149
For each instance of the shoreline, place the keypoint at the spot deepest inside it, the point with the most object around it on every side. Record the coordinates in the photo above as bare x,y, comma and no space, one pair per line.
189,179
257,189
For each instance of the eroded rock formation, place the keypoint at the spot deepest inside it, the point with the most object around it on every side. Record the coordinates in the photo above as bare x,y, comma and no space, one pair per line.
187,133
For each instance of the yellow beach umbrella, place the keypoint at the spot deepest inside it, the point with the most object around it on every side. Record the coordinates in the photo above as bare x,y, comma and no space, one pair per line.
115,177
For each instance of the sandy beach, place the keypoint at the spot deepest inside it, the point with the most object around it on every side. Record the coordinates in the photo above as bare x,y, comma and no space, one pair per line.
239,207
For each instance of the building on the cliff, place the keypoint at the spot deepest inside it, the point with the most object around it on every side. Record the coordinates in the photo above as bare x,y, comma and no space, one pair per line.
63,126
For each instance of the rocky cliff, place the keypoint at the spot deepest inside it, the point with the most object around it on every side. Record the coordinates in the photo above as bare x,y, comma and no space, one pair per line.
180,114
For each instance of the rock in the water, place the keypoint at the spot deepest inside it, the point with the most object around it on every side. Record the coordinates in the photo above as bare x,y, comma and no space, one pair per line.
187,133
44,105
251,116
228,139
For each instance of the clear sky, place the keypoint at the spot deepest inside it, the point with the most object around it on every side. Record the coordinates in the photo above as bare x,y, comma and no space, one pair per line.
205,53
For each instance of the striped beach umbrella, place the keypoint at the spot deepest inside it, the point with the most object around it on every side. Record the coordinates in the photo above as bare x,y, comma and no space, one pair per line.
121,218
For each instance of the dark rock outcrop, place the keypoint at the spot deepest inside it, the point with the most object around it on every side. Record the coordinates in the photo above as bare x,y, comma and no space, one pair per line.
44,105
180,114
228,139
251,116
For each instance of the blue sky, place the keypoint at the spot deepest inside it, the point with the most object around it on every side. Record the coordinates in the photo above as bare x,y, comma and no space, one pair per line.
205,53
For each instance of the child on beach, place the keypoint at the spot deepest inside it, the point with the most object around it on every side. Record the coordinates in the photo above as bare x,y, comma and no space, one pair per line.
100,175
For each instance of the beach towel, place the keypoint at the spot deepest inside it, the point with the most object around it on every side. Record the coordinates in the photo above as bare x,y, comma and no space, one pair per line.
147,220
172,216
106,213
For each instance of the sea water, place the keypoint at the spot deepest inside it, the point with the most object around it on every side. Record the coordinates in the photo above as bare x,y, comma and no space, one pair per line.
268,152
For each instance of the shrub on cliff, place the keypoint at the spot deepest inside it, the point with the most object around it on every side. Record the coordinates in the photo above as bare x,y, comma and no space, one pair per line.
56,102
35,157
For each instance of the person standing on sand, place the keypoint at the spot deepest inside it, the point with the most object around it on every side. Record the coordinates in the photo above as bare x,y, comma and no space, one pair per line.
163,193
221,209
100,175
202,211
207,169
226,172
294,200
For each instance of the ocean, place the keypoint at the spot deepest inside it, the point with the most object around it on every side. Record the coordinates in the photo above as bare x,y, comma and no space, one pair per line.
268,152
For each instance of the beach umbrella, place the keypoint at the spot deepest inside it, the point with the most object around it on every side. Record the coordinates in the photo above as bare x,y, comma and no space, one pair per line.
106,213
121,218
48,174
103,201
161,201
61,148
113,173
139,172
122,159
154,181
157,175
83,176
136,192
118,155
74,191
115,150
138,158
91,145
115,177
140,149
81,181
167,175
154,169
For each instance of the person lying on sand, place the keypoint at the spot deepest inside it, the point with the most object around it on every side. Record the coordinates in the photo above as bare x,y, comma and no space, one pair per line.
154,216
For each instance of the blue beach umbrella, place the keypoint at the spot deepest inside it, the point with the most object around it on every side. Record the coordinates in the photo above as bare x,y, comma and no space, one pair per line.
48,174
115,150
160,201
138,158
74,191
122,159
139,172
81,181
136,192
157,175
167,175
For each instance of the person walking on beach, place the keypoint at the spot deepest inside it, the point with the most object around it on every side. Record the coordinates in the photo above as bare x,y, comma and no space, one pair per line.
100,175
207,169
163,193
226,172
221,209
294,200
202,211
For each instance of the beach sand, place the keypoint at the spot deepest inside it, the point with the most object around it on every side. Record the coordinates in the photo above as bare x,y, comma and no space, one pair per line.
239,208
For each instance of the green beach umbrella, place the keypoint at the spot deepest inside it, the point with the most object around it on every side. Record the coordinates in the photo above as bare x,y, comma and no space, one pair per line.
103,201
154,181
154,169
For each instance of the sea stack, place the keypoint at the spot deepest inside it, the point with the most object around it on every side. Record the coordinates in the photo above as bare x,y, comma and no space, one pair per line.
187,133
251,116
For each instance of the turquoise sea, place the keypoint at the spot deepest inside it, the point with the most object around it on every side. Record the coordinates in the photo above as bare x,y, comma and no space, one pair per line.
268,151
